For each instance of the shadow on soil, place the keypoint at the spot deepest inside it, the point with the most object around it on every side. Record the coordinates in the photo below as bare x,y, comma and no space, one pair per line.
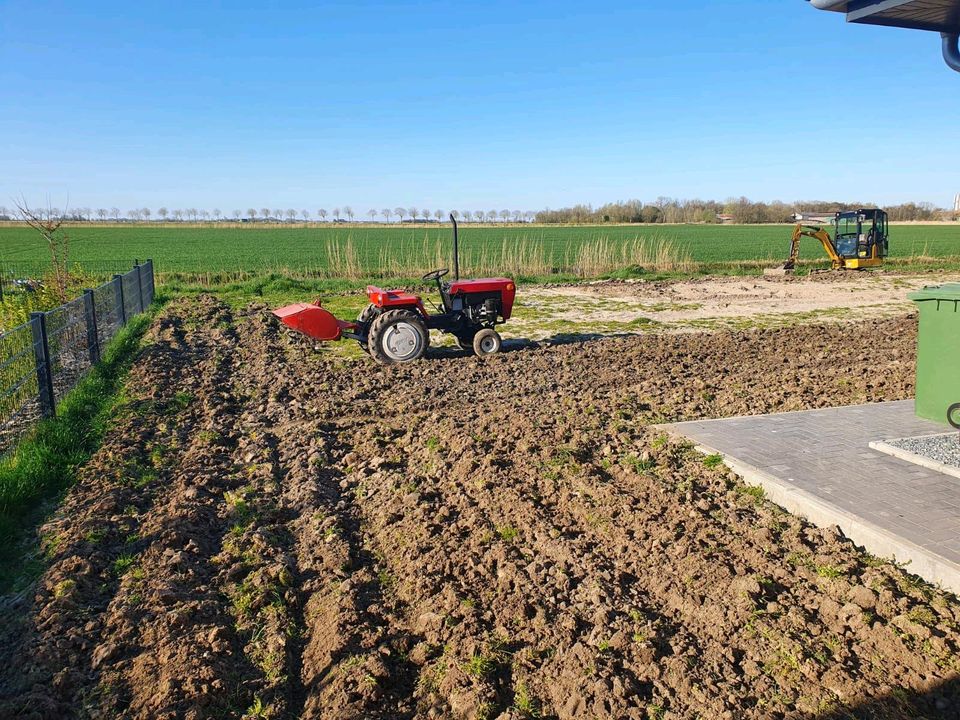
518,344
941,702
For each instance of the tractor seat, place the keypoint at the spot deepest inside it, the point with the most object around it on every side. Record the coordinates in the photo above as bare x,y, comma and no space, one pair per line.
444,288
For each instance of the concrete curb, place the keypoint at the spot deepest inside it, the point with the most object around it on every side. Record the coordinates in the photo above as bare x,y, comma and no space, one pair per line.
876,540
897,452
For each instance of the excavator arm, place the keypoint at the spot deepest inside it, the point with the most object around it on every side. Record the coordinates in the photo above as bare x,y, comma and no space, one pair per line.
814,231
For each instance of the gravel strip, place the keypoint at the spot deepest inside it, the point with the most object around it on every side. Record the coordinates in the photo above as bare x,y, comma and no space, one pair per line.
941,448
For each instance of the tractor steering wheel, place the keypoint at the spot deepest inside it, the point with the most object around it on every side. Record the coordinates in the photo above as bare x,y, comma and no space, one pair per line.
435,274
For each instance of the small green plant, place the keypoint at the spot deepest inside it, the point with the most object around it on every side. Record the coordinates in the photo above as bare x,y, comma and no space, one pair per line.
259,710
754,493
180,401
122,564
433,443
638,464
922,615
526,705
486,711
63,588
480,665
713,461
828,571
508,533
94,536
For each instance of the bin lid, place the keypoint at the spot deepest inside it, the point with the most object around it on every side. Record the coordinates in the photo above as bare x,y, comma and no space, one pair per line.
947,291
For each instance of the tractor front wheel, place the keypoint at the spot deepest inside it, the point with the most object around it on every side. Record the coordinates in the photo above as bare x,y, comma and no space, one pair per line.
487,342
397,336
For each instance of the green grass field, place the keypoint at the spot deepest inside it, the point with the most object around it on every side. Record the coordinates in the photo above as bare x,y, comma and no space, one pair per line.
370,251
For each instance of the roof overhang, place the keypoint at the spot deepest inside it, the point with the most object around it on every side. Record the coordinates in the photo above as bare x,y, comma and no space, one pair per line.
942,16
934,15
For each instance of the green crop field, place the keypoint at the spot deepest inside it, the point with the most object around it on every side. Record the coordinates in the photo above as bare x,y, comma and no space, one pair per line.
370,251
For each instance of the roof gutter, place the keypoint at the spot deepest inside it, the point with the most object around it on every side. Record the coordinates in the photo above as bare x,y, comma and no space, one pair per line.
951,50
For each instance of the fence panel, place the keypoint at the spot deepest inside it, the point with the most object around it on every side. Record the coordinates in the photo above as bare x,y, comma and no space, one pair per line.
131,294
148,278
69,350
18,377
108,319
42,360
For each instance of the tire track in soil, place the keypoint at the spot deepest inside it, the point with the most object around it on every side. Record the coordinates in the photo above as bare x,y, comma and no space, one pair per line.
345,657
97,527
170,644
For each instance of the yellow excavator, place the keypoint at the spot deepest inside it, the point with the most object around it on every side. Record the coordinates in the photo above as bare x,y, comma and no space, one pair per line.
860,238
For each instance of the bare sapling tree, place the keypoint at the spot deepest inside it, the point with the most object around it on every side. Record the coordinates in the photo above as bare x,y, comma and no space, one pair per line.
49,225
386,214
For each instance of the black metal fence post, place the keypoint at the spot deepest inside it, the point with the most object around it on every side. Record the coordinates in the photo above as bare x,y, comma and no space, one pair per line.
93,338
41,350
118,297
136,269
153,282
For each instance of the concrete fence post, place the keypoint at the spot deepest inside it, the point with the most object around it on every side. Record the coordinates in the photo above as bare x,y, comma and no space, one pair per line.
41,351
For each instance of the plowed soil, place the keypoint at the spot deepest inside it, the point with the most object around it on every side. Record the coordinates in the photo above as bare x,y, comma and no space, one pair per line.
268,533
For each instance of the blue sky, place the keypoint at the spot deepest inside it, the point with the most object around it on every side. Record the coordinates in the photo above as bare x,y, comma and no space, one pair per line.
466,105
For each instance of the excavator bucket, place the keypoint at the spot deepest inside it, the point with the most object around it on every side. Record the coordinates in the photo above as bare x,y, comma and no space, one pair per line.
312,320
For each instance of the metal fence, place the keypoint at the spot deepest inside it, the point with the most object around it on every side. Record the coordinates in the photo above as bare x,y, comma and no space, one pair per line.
43,359
18,275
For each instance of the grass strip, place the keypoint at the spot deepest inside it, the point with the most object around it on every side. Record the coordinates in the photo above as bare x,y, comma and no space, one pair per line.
45,461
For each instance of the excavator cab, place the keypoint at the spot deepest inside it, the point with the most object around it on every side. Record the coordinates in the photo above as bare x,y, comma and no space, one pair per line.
860,237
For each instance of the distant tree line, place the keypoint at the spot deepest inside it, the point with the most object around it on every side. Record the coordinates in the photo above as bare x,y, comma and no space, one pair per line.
735,210
265,214
662,210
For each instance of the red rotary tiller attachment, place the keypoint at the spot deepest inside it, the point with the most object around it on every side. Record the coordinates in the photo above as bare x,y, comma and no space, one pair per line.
312,320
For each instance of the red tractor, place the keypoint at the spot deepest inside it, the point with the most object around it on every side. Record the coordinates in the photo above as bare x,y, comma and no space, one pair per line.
395,326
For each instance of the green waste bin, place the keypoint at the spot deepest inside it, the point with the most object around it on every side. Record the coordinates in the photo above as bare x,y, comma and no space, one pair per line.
938,350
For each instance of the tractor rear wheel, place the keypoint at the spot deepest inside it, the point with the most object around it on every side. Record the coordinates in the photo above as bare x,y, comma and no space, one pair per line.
487,342
398,336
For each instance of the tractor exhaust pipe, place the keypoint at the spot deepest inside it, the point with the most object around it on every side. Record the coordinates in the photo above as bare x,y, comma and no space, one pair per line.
951,50
456,249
